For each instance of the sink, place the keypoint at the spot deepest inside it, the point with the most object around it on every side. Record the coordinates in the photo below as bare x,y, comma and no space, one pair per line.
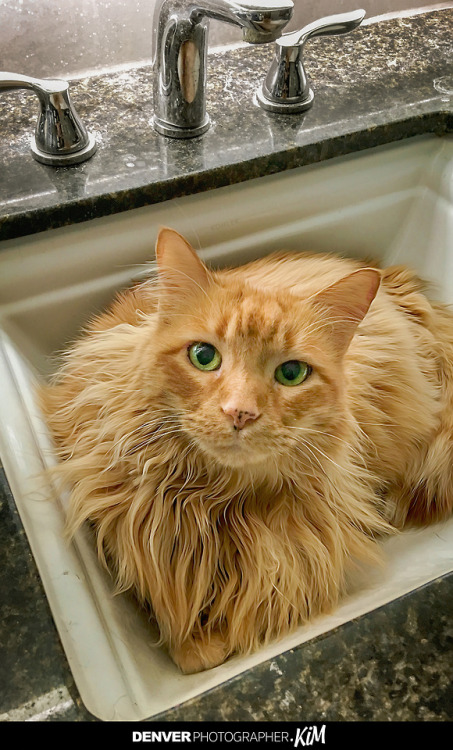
393,203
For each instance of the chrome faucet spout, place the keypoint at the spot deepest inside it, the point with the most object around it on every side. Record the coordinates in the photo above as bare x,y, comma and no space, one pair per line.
260,20
180,40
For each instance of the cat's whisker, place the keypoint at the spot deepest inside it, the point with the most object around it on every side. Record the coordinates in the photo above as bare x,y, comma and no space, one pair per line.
301,463
147,426
153,438
303,455
161,428
312,447
342,468
347,443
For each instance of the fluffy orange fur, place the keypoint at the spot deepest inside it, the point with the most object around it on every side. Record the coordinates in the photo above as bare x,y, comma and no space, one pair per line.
236,532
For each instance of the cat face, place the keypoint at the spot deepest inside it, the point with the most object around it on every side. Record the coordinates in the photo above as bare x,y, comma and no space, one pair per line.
250,376
244,373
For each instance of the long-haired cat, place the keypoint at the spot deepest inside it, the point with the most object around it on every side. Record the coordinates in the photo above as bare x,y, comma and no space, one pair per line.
239,437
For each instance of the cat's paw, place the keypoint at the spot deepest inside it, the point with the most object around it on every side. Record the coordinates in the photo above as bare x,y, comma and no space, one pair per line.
196,655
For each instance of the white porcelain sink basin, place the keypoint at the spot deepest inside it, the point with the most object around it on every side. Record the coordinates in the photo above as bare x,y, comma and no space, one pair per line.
393,203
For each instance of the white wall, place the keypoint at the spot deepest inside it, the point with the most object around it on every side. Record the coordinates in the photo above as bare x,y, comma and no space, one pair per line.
53,38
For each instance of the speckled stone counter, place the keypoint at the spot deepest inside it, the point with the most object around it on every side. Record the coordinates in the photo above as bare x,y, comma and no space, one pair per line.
371,87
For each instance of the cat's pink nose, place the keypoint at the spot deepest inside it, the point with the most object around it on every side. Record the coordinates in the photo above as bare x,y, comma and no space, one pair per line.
240,416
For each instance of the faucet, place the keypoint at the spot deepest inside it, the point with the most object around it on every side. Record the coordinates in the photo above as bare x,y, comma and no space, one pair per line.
180,41
285,88
61,138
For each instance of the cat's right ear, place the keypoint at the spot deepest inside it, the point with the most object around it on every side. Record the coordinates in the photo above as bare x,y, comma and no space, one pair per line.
181,272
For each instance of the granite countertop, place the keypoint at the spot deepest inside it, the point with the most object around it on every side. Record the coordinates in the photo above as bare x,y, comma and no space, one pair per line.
371,87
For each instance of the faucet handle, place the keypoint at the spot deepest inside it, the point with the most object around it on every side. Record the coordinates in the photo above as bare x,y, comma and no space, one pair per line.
60,137
285,88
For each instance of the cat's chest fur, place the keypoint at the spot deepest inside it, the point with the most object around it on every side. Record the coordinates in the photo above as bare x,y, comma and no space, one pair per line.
224,556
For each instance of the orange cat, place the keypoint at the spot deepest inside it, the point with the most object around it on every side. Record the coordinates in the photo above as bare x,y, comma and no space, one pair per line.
239,437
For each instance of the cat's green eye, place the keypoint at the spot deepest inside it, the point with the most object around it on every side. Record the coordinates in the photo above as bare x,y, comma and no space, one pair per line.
293,372
204,356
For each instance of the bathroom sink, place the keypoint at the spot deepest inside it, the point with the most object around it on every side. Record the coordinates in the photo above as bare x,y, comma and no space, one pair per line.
392,203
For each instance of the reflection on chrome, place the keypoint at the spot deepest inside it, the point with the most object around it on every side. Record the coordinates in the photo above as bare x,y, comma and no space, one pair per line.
180,34
286,88
60,137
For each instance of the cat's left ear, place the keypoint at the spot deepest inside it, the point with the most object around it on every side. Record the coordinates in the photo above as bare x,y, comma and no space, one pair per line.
181,272
346,302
